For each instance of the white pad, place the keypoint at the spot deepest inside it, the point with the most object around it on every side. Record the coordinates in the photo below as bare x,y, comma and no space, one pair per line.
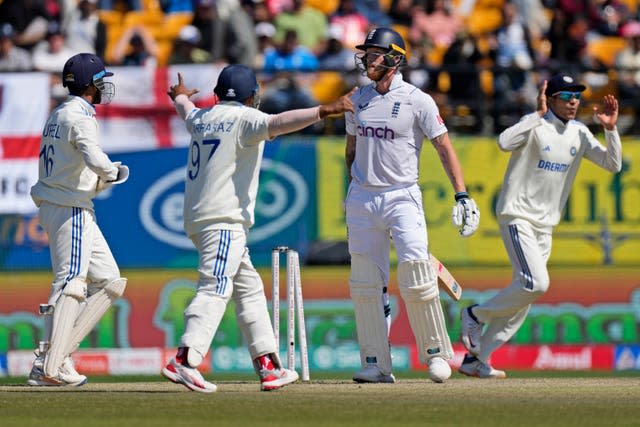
366,285
201,320
419,290
97,305
64,316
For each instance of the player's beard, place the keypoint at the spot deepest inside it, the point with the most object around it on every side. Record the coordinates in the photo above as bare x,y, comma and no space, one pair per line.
376,73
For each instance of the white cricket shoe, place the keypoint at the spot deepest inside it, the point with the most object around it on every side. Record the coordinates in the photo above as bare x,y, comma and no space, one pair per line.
372,374
67,374
439,369
274,379
473,367
188,377
471,330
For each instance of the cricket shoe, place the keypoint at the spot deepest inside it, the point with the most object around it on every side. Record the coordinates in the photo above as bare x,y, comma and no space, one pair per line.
439,369
372,374
276,378
188,377
474,367
272,377
471,330
67,374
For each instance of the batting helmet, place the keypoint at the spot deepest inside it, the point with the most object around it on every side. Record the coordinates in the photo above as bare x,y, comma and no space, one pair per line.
236,83
83,69
384,38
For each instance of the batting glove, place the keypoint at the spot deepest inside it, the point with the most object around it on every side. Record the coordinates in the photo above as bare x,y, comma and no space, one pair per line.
465,214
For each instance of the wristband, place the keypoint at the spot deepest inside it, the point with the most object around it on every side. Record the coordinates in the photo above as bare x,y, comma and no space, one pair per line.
461,195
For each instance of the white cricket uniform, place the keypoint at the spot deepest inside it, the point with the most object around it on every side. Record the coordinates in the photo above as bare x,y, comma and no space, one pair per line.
545,157
384,197
71,161
227,142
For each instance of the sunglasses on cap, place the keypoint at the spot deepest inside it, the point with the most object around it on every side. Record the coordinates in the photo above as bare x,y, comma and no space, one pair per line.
568,96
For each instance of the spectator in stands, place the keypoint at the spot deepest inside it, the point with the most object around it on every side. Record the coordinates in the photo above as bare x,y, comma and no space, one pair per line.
628,64
335,56
401,12
610,16
29,18
186,50
533,13
514,88
264,32
289,55
51,54
203,16
568,36
461,62
281,71
352,24
374,14
136,46
310,24
227,31
12,58
435,25
84,30
130,4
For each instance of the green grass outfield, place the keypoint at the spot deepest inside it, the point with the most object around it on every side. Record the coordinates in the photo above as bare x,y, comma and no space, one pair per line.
524,399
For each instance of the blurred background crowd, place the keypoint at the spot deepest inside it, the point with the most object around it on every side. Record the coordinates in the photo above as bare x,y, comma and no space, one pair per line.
482,60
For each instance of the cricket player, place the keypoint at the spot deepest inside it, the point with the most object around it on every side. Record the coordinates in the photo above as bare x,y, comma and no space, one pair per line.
384,139
73,169
546,149
227,143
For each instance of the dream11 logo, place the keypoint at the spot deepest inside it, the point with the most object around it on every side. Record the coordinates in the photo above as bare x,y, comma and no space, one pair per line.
282,197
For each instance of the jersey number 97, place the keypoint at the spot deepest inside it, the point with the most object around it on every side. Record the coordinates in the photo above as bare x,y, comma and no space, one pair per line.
195,156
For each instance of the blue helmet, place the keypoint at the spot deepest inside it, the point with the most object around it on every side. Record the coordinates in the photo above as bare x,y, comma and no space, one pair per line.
83,69
236,83
384,38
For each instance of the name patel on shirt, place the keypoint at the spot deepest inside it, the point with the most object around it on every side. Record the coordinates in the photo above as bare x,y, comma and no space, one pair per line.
52,130
213,127
552,167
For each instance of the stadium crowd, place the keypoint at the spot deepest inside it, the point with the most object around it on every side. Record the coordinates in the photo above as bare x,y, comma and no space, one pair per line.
482,60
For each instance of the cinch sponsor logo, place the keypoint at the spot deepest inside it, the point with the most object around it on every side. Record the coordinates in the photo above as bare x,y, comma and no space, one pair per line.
553,167
378,132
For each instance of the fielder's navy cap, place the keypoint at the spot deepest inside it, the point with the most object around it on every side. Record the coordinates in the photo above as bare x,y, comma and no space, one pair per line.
236,83
562,83
81,69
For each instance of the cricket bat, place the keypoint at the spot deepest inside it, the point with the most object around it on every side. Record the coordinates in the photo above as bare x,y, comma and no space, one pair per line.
445,279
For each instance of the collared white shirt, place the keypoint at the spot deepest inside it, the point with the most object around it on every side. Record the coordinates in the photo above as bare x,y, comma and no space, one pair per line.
225,153
71,159
545,157
390,130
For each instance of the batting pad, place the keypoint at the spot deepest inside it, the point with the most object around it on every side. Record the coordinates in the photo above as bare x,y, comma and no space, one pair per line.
97,305
366,285
65,314
419,290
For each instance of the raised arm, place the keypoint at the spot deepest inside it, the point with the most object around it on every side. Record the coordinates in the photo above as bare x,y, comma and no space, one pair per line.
182,103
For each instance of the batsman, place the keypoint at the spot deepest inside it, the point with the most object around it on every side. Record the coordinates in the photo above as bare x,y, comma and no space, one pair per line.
73,169
385,135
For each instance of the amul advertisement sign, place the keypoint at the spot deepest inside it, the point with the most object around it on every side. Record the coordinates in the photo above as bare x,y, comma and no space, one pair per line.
578,324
